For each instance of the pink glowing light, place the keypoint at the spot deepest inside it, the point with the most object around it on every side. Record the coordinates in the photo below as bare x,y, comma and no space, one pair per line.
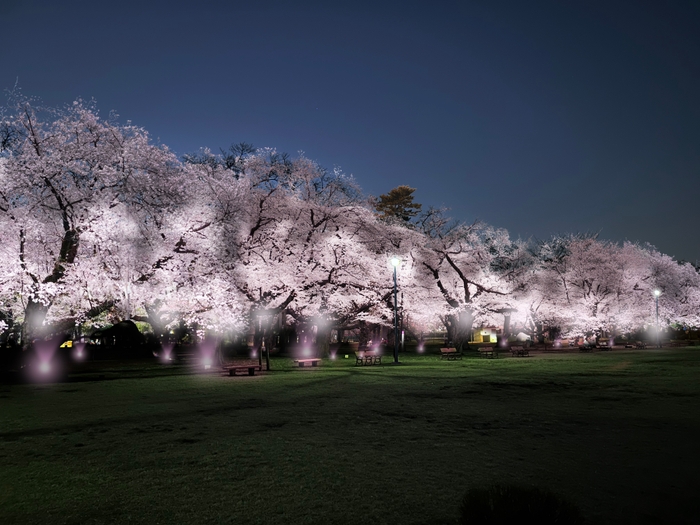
45,367
166,356
79,351
207,351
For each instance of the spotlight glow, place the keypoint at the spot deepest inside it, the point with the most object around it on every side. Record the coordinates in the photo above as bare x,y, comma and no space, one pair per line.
45,367
166,356
79,353
207,363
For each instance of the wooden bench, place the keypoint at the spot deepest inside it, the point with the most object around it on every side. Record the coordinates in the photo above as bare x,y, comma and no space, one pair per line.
519,351
314,361
251,369
584,348
450,354
488,351
640,344
364,357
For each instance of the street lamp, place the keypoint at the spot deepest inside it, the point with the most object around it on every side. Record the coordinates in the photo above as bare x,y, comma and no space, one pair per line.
658,334
395,261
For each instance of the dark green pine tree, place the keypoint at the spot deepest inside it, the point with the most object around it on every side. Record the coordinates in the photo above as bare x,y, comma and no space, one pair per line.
398,204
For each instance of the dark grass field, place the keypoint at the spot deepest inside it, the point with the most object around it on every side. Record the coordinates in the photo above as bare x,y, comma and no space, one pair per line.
617,433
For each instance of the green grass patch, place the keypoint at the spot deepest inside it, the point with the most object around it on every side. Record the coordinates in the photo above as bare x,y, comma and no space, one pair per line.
616,433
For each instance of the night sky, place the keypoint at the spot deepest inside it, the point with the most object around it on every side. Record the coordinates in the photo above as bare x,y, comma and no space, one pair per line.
540,117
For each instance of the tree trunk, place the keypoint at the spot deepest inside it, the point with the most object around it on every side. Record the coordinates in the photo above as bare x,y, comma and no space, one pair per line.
34,315
539,332
506,326
323,340
156,321
363,336
459,326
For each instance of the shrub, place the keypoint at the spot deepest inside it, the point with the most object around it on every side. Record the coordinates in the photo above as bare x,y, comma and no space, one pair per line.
507,504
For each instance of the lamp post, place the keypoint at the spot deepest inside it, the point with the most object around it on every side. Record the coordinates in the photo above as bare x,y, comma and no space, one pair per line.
658,334
395,261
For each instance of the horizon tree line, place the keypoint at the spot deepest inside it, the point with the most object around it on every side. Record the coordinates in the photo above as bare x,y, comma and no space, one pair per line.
99,224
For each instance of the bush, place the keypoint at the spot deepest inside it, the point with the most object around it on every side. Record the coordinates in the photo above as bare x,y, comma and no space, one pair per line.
506,504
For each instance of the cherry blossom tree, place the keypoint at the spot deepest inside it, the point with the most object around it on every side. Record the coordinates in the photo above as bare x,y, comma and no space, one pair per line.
474,268
584,285
61,170
303,246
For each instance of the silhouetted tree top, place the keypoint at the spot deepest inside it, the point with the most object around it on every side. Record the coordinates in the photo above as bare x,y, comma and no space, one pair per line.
398,203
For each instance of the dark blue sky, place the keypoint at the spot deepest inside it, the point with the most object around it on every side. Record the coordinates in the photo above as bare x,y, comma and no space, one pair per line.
540,117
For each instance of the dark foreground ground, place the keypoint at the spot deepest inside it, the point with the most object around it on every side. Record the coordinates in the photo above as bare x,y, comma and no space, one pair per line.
618,433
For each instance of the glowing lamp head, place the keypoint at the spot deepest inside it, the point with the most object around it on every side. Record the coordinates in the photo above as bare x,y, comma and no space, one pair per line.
395,261
657,293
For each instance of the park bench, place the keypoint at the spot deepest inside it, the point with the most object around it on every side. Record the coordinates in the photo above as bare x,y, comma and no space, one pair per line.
364,357
584,348
488,351
640,344
605,344
232,369
313,361
450,354
519,351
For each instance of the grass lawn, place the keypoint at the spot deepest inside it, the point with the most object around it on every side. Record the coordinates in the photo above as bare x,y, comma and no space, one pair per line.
618,433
